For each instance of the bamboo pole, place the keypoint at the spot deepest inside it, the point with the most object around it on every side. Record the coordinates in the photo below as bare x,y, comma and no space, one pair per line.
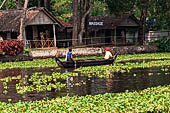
54,35
3,3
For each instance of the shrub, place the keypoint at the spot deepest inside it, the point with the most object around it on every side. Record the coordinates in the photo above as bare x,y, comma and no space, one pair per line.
163,44
11,47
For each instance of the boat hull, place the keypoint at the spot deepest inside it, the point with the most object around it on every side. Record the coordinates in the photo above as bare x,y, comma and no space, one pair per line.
83,63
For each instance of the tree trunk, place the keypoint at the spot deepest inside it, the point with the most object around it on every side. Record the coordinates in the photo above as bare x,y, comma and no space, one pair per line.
47,4
144,11
39,3
167,39
19,4
83,19
141,35
75,23
20,37
3,3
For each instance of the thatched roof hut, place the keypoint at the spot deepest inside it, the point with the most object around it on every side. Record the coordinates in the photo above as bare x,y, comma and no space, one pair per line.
10,20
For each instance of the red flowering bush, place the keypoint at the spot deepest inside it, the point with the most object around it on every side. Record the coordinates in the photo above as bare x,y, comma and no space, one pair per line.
11,47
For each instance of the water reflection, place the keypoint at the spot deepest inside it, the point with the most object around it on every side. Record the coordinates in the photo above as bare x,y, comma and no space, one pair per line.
144,78
136,79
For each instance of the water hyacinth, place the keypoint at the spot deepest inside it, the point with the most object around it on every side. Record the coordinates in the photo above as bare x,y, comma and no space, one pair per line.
149,100
51,62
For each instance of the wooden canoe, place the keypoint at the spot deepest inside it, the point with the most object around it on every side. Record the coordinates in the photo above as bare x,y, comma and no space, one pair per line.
85,62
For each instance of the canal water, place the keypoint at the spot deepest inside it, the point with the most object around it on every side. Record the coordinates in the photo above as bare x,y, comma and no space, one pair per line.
136,79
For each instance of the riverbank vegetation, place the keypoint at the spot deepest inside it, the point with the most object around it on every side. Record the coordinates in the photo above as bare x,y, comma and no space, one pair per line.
51,62
163,44
149,100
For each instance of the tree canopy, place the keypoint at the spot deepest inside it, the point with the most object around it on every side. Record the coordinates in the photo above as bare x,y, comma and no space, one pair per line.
158,13
157,18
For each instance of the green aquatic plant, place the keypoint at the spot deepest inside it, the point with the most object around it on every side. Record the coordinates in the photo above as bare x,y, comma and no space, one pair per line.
41,82
51,61
143,56
29,64
37,82
102,71
149,100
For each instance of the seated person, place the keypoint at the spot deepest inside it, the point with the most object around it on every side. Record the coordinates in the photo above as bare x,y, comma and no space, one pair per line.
108,54
1,39
69,56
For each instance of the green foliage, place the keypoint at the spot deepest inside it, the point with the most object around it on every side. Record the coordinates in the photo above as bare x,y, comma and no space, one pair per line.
107,71
39,83
158,13
100,8
148,100
119,7
154,99
26,51
11,4
32,3
51,62
163,44
143,56
62,9
29,64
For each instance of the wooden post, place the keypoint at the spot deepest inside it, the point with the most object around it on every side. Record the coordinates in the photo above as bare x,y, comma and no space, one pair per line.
95,32
7,5
24,36
115,37
9,36
54,35
19,4
24,33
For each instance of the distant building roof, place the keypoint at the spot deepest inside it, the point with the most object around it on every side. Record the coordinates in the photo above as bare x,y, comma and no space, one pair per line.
10,20
65,24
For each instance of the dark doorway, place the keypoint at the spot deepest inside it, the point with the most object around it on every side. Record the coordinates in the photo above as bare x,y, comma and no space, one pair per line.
29,33
14,35
121,36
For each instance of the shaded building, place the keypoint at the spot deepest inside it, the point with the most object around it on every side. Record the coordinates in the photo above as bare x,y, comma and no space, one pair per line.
41,28
121,30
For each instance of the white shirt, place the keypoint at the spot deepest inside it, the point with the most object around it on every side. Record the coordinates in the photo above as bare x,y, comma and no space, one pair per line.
108,55
1,38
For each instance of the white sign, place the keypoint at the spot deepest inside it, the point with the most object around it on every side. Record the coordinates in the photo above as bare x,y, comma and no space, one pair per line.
96,23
